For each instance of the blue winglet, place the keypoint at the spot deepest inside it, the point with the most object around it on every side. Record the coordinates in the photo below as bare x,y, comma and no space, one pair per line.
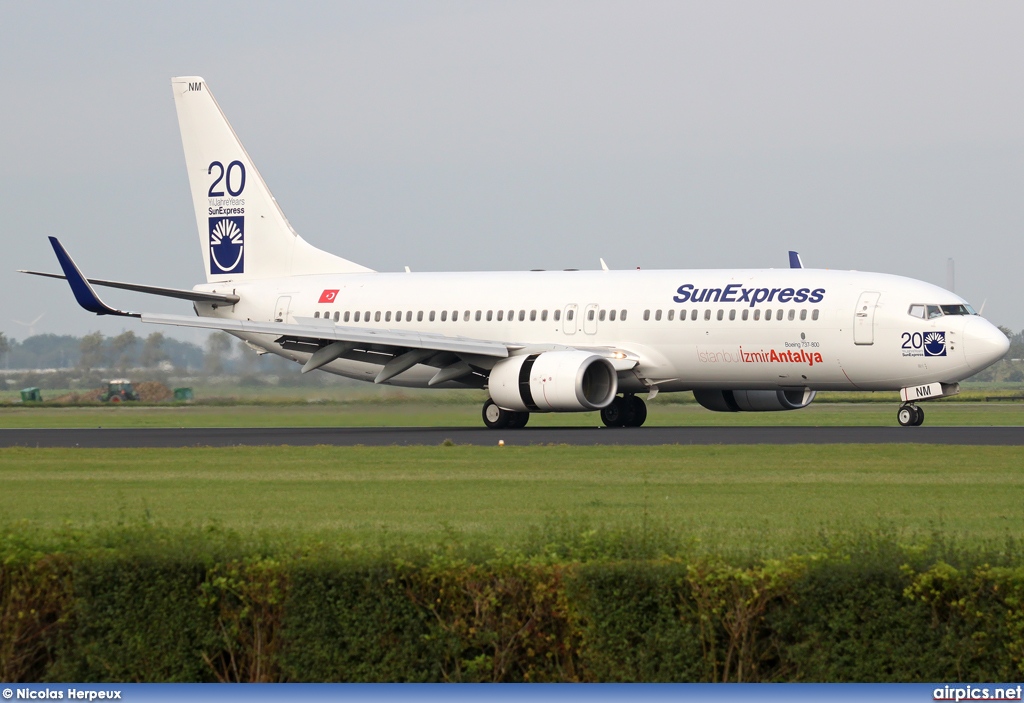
794,261
84,293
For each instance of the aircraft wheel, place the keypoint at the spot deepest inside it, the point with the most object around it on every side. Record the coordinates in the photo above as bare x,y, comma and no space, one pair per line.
518,421
614,414
639,412
907,415
919,416
496,418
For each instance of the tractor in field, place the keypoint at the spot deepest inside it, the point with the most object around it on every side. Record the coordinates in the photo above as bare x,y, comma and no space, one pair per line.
118,391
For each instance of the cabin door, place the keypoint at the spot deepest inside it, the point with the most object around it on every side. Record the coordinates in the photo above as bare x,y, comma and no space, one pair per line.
864,318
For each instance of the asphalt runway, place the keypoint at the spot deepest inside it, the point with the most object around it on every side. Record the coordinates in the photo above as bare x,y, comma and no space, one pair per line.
99,438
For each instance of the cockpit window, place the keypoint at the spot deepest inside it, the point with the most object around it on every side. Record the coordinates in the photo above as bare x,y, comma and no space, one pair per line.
957,310
930,312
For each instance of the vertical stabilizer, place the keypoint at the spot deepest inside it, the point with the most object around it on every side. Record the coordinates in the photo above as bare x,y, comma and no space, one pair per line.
243,234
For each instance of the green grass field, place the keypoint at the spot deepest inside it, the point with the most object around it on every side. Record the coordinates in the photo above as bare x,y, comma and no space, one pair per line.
765,499
419,413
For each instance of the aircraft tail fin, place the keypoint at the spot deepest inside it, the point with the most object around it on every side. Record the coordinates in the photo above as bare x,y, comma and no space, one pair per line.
243,234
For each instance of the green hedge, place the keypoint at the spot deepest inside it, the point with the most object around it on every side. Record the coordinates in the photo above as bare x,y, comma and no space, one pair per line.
168,609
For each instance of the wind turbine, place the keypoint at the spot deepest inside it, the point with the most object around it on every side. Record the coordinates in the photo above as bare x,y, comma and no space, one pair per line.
31,325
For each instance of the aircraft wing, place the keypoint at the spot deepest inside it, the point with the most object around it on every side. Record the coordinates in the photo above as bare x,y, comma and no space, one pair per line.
329,332
396,350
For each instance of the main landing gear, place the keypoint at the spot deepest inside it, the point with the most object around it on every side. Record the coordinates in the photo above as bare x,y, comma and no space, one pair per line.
910,415
625,411
499,419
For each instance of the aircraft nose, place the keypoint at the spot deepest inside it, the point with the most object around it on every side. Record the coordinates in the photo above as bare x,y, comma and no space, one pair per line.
984,344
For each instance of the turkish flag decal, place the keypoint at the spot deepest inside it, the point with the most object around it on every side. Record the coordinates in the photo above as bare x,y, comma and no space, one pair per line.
328,296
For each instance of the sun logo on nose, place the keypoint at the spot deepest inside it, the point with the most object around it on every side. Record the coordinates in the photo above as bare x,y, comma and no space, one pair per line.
935,344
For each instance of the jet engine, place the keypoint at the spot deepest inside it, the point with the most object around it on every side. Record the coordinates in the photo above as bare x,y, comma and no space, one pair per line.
554,381
754,401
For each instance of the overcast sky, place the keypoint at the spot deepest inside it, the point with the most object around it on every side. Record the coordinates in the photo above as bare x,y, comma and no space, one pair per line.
884,136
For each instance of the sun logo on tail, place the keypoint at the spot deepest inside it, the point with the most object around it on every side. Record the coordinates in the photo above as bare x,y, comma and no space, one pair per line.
227,244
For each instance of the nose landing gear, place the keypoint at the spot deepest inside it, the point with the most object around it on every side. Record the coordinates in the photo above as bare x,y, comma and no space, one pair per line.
909,415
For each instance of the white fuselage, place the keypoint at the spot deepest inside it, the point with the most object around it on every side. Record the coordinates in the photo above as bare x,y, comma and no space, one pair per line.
749,329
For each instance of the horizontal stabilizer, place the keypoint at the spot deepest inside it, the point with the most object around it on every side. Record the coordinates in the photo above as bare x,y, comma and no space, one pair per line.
195,296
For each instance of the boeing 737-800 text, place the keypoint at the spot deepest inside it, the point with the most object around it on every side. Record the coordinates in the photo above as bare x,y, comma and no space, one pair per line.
551,341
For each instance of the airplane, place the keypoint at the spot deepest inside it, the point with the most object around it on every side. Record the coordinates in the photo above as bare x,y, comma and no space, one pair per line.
550,341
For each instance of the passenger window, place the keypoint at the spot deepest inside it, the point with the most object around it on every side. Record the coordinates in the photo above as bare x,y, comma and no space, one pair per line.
490,315
455,315
419,316
357,316
611,315
316,315
570,314
511,315
693,314
671,315
745,314
431,315
558,315
732,314
336,315
803,314
501,315
682,316
934,311
376,316
533,316
622,316
707,314
721,314
647,315
398,316
522,315
757,315
444,316
814,315
600,316
792,314
387,316
408,315
657,315
478,314
347,315
767,314
366,316
544,315
465,316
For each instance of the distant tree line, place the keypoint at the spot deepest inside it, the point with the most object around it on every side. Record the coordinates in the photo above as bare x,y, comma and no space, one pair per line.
224,355
86,361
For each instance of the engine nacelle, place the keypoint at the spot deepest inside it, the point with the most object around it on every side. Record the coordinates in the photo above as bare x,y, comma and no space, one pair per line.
754,401
554,381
